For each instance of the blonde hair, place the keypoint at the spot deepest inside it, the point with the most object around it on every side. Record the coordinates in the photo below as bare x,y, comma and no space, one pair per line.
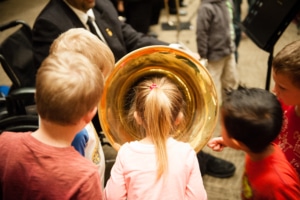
68,86
82,41
158,103
287,62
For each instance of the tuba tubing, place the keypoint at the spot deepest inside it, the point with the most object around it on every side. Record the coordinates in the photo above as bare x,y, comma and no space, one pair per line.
201,111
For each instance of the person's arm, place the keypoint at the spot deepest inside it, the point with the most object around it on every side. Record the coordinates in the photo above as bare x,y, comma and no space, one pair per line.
134,40
80,141
288,191
195,188
123,38
202,30
43,34
216,144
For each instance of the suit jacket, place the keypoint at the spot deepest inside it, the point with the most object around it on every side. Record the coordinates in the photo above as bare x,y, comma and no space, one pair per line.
57,18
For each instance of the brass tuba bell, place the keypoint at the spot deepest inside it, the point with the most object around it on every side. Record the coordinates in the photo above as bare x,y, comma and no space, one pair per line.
188,73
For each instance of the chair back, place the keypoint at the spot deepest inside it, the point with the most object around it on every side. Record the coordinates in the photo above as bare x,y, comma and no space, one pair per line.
19,123
16,55
21,101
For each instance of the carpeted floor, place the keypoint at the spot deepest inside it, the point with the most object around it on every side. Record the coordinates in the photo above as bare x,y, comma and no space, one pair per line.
252,67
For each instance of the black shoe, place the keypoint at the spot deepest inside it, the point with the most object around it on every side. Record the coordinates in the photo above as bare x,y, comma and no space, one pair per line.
219,168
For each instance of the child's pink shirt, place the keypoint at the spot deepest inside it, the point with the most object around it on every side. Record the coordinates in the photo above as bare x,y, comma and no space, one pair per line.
133,175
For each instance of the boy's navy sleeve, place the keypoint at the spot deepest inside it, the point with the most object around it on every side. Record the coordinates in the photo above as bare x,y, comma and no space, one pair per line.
80,141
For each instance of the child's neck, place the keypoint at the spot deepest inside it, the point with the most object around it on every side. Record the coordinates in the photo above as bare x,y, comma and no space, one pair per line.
260,156
146,140
55,135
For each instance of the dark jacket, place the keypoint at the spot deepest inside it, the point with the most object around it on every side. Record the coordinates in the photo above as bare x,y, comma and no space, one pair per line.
57,18
215,38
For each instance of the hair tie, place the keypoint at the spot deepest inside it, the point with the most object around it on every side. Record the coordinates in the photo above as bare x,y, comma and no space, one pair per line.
153,86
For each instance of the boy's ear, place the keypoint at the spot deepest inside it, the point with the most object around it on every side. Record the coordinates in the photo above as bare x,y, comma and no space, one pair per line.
239,145
89,116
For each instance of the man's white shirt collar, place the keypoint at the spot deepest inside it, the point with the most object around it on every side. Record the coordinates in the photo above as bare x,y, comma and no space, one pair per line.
81,15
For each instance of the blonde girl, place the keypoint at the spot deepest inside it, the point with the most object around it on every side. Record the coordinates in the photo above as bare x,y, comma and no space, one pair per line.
157,166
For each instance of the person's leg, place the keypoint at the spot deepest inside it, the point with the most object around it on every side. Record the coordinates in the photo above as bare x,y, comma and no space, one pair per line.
96,123
202,159
210,164
172,4
236,24
215,69
182,3
138,15
110,158
156,9
229,77
250,4
173,8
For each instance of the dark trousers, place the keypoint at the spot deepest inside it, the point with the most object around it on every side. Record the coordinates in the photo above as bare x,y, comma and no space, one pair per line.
237,21
142,14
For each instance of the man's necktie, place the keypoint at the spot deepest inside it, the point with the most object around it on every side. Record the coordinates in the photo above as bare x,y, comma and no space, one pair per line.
92,27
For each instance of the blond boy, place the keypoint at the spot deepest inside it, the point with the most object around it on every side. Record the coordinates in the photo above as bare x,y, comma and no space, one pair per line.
84,42
44,165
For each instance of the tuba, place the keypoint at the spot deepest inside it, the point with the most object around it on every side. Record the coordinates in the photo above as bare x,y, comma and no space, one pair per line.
192,78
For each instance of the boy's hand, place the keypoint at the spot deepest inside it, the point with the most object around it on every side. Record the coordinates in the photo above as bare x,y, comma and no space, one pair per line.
216,144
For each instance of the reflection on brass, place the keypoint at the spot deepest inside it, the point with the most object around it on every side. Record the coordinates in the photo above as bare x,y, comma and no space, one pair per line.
201,112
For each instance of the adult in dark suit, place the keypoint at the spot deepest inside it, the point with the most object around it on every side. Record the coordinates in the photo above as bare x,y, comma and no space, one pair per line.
57,17
61,15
